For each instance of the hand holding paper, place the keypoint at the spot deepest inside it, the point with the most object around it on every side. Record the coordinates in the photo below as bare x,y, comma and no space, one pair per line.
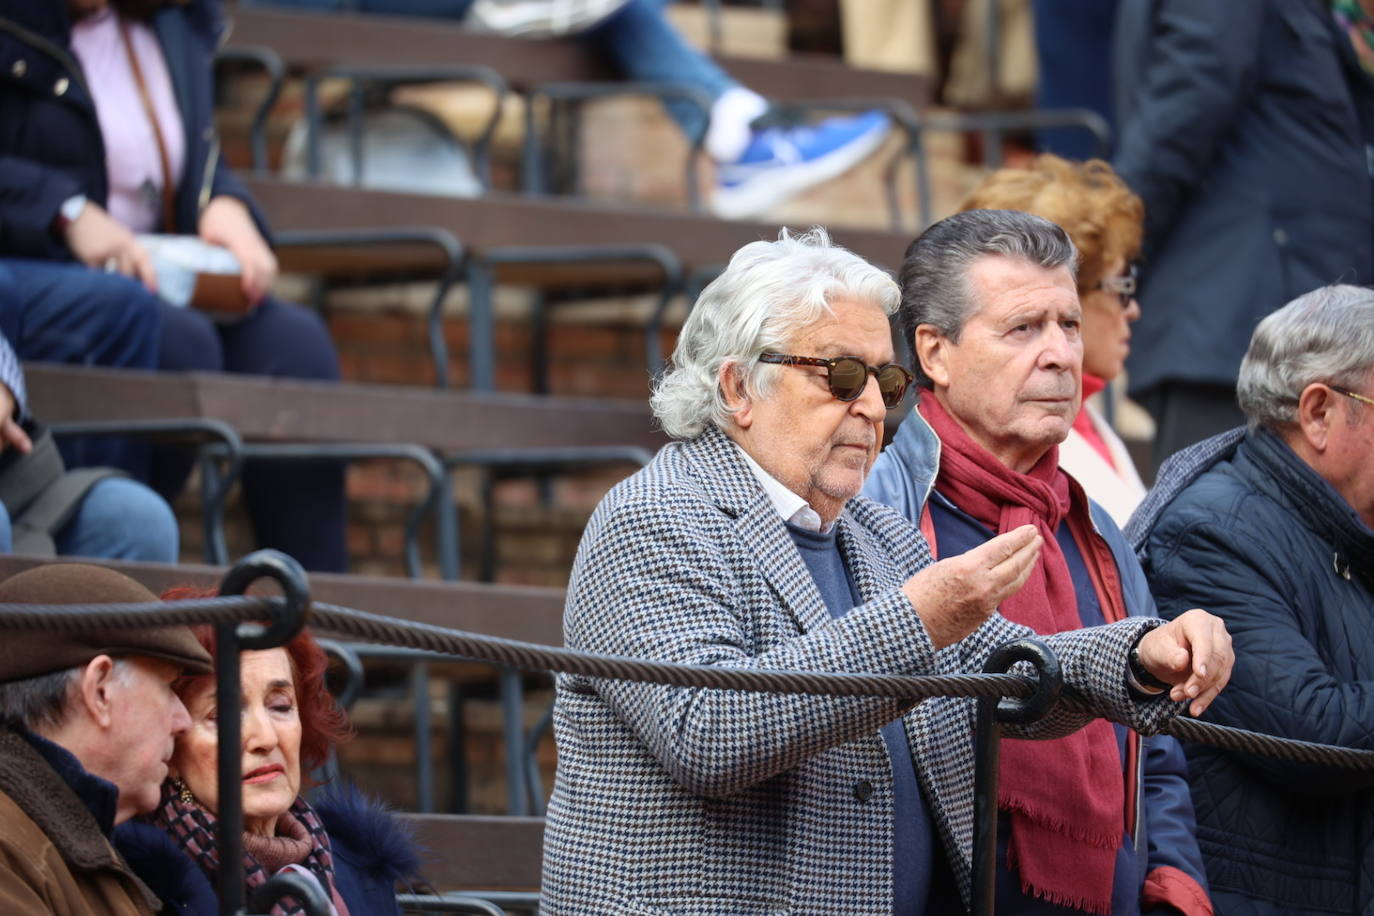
97,241
227,222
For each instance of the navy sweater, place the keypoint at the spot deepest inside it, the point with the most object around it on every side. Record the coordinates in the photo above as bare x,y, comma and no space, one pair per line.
912,838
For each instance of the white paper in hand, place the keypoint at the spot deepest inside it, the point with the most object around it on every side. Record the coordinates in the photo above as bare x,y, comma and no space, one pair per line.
178,259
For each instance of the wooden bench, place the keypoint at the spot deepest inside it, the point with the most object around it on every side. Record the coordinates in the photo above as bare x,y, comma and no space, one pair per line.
498,221
493,858
312,41
274,410
281,418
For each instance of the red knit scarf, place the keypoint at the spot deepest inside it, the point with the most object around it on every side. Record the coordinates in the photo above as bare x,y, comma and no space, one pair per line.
1065,796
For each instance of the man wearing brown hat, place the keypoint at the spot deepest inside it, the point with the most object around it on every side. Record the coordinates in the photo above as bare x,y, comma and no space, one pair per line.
87,722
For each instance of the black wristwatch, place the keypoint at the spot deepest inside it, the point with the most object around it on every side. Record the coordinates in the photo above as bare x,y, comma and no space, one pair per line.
1141,674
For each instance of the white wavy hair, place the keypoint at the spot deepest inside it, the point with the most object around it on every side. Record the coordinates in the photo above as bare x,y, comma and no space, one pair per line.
769,291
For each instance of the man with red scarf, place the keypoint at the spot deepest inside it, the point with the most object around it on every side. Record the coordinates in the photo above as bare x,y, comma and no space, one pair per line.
1098,821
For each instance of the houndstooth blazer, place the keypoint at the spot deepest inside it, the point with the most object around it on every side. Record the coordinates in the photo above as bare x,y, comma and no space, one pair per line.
678,801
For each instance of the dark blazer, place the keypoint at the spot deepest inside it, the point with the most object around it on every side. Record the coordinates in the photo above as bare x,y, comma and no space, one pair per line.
1259,539
1244,127
50,143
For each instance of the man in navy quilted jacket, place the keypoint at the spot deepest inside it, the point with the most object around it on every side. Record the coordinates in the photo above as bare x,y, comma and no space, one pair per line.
1272,527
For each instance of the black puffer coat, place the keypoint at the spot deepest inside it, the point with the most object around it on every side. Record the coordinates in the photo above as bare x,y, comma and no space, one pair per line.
1264,542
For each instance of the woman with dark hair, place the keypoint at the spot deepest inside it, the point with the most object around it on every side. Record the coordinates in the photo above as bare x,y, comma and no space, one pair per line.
350,846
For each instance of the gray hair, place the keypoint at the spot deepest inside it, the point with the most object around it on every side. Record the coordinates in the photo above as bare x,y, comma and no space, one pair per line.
769,291
1326,335
934,279
44,701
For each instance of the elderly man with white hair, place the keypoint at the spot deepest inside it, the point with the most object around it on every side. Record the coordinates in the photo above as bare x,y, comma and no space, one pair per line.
1272,527
744,545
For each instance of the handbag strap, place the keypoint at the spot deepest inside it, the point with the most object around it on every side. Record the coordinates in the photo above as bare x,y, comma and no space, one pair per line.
168,192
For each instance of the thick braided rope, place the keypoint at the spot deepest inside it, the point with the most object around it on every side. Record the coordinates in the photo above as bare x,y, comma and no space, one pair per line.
366,627
363,626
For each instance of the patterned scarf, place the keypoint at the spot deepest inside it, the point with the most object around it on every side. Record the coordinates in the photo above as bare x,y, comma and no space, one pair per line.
301,840
1066,797
1358,26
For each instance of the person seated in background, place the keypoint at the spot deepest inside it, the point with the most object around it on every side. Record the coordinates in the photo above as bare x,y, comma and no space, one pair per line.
745,544
1103,219
43,510
991,309
87,722
1272,527
757,167
350,845
111,108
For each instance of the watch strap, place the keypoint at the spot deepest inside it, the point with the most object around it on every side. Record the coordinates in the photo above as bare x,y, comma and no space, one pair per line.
1141,674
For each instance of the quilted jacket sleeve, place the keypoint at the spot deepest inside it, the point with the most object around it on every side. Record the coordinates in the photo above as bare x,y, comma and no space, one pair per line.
1280,684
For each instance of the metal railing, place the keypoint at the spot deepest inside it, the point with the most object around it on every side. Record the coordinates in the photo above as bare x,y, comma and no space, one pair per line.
1003,697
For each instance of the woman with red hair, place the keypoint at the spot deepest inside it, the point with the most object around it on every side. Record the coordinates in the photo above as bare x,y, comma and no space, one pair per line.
352,848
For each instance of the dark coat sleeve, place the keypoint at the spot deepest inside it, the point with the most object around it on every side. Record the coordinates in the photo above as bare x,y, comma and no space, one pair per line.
1201,65
1167,805
171,874
30,197
1280,684
1170,824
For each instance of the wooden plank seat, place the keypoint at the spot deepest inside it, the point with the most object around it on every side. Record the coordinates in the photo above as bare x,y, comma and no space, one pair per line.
311,41
268,410
495,858
487,428
499,221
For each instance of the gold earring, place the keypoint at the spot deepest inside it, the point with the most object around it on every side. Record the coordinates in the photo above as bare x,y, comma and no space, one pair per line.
183,791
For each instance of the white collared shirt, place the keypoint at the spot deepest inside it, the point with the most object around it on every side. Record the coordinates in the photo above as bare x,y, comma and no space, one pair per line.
790,506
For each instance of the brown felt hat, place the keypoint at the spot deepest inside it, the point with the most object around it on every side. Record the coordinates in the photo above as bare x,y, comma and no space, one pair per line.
29,654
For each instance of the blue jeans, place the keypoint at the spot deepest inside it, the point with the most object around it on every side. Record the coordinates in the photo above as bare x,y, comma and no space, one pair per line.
119,519
638,39
65,313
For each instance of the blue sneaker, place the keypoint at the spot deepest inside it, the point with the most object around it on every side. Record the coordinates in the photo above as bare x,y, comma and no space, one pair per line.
782,162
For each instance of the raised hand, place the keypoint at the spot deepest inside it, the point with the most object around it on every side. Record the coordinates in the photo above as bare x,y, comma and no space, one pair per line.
955,595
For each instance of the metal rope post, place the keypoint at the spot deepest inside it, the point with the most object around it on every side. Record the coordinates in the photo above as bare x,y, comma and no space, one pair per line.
992,711
231,639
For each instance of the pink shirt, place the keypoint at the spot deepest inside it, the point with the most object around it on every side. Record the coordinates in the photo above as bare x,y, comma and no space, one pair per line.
131,157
